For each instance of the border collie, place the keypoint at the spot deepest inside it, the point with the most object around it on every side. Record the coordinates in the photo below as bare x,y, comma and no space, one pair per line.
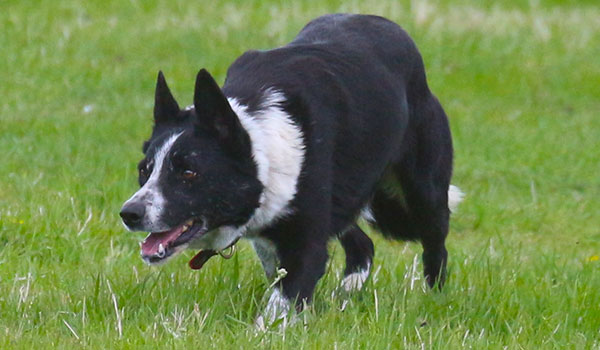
299,142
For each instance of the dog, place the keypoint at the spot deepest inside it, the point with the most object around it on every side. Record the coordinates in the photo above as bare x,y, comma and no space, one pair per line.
300,142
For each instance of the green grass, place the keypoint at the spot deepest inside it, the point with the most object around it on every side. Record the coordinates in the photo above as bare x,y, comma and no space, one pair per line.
519,80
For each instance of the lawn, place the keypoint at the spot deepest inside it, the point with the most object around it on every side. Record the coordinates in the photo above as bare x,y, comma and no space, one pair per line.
519,79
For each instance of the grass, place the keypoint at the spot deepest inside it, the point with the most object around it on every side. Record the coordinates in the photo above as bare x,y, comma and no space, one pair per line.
519,81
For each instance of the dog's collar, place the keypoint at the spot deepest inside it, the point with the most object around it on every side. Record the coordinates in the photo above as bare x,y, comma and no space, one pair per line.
229,254
198,261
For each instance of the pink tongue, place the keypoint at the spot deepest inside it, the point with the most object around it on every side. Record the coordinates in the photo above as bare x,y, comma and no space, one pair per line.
155,239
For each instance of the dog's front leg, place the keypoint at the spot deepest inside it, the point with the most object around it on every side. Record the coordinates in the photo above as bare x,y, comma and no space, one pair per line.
267,253
304,264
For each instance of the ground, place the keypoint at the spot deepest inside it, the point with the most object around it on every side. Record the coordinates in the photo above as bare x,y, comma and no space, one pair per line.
519,80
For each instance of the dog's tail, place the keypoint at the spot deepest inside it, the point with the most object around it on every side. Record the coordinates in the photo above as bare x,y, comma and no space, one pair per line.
394,220
455,196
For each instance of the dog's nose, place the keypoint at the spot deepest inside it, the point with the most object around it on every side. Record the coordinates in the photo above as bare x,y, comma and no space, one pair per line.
133,213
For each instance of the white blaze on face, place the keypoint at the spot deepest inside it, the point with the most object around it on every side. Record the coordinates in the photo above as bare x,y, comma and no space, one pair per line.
150,194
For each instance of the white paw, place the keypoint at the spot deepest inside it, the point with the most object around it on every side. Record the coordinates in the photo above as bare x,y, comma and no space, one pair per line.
355,281
278,308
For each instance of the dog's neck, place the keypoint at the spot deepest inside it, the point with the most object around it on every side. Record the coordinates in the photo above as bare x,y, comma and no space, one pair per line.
278,151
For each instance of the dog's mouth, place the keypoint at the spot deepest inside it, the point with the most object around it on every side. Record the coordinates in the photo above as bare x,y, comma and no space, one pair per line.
159,246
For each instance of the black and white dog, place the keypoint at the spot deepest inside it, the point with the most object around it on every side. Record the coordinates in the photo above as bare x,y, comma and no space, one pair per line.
299,142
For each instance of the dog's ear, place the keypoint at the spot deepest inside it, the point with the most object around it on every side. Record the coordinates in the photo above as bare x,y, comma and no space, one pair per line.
165,106
216,115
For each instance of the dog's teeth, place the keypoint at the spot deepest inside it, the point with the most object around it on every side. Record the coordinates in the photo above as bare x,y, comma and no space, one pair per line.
185,228
161,250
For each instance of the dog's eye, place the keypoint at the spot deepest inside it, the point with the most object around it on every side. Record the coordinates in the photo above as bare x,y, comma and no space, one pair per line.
143,173
188,174
144,169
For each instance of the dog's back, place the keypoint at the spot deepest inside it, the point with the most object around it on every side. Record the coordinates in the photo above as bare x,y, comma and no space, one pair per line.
374,134
356,84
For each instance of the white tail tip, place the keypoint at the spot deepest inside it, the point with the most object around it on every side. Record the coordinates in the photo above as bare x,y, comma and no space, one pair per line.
455,196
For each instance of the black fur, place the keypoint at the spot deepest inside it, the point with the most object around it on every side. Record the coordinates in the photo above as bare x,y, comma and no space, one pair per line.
359,249
374,134
356,84
214,146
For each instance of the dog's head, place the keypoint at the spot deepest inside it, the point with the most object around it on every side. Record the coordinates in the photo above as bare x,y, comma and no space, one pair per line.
198,178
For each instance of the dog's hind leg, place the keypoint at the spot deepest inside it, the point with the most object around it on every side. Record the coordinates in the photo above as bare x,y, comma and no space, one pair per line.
429,187
434,229
359,257
421,214
425,176
411,201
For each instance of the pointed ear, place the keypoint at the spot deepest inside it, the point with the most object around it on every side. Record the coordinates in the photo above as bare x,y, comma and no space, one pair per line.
215,113
165,106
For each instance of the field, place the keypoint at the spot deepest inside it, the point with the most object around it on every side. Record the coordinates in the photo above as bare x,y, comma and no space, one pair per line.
519,79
